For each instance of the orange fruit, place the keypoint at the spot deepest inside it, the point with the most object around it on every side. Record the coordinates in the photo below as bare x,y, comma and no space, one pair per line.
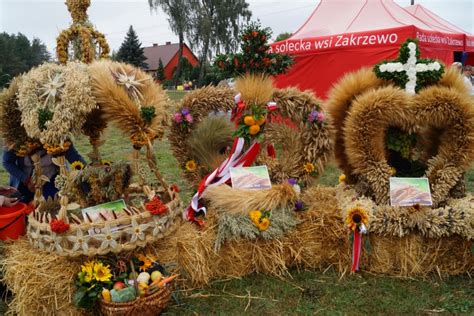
261,121
249,120
254,129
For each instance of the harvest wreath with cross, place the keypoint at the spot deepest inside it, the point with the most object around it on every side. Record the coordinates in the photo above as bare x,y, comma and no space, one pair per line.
407,117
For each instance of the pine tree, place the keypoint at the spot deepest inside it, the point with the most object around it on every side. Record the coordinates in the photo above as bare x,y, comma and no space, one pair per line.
131,51
160,72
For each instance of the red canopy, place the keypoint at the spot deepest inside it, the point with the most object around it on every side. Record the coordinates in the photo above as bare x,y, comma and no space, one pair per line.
344,35
440,24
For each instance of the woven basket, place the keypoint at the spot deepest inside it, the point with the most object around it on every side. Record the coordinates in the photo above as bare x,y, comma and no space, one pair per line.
150,305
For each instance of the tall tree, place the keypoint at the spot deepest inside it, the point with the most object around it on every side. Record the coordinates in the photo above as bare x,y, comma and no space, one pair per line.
215,26
18,55
160,72
282,36
131,50
178,19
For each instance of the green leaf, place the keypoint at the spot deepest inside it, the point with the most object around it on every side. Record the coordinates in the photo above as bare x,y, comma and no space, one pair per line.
78,297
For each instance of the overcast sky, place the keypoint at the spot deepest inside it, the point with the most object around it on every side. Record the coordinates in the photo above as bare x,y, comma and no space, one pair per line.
44,19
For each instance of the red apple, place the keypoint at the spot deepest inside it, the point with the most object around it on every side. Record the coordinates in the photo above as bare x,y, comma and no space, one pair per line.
119,285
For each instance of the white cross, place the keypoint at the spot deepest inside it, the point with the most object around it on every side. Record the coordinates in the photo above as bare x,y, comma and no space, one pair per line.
410,67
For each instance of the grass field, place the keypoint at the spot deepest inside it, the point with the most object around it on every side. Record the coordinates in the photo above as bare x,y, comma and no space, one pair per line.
302,292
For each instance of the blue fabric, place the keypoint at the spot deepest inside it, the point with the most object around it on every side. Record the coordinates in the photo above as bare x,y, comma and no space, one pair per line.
15,167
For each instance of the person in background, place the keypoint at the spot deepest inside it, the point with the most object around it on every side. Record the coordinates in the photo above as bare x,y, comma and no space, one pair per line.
467,81
21,169
469,73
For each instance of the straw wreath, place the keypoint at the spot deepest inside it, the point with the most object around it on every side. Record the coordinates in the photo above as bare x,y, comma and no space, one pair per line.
54,101
209,133
131,99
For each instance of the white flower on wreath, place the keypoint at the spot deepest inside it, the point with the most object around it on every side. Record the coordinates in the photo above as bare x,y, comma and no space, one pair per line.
137,231
108,238
80,241
55,243
34,237
158,223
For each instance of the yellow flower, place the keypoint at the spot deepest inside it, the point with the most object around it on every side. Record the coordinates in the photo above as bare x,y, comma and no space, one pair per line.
102,273
309,167
106,162
342,178
77,165
355,217
393,171
145,262
264,224
255,216
87,269
191,165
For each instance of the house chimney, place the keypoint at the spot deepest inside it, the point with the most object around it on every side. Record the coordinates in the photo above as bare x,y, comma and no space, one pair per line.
168,43
155,44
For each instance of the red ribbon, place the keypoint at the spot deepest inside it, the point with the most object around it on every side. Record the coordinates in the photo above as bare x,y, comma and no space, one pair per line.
356,250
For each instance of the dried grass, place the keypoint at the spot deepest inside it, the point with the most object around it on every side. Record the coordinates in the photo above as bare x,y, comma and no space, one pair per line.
239,201
255,89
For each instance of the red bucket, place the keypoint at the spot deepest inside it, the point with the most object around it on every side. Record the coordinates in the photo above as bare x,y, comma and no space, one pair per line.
12,221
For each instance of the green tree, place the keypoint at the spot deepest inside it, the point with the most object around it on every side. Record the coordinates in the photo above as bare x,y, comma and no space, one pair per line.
214,28
131,50
18,55
178,19
254,56
283,36
160,72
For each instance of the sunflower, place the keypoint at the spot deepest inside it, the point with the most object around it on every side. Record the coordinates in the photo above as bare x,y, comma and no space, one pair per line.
102,273
191,165
87,269
255,216
77,165
264,224
355,217
342,178
145,262
309,167
106,162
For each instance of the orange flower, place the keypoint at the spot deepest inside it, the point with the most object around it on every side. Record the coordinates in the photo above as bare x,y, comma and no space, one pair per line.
254,129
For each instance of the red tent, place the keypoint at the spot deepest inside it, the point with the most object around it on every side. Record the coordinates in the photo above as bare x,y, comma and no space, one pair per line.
344,35
440,24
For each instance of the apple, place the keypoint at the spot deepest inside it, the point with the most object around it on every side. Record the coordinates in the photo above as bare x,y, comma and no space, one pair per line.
155,275
119,285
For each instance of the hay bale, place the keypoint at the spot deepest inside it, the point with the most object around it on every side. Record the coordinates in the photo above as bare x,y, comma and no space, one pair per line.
415,255
318,241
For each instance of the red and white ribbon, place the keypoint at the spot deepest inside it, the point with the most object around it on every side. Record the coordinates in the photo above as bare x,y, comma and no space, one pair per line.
222,173
357,247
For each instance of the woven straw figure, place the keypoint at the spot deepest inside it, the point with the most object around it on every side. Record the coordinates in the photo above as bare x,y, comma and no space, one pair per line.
86,42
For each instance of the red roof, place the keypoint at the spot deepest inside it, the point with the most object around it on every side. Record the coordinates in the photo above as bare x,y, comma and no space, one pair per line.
433,20
165,52
356,16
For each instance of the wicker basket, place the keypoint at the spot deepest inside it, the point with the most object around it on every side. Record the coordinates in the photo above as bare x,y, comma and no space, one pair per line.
150,305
